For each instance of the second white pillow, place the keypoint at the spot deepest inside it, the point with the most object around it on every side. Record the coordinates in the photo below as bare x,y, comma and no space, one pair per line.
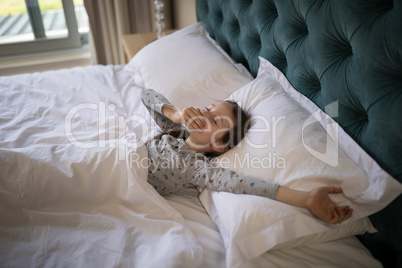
187,68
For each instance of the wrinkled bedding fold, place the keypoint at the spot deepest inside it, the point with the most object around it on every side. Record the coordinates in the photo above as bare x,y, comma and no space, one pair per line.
70,195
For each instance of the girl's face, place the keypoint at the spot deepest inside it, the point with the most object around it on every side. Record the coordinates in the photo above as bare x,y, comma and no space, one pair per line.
219,120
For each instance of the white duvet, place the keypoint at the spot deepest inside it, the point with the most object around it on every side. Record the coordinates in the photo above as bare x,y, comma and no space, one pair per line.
70,192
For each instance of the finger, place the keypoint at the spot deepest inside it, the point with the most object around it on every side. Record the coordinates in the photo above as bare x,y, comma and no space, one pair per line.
192,128
334,190
348,212
194,118
341,214
197,116
204,121
190,122
197,112
335,216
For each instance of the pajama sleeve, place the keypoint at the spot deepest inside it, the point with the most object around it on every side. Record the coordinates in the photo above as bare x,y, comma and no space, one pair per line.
154,102
202,174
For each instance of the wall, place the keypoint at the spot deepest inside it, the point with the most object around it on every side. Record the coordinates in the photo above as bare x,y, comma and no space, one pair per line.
184,13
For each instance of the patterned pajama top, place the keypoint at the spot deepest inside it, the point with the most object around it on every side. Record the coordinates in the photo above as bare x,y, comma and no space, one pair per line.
174,166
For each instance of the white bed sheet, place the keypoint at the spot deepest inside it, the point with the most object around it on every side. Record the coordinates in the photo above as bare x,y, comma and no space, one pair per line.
62,205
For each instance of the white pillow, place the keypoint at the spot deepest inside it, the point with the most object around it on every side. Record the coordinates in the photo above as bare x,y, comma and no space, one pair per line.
292,143
188,68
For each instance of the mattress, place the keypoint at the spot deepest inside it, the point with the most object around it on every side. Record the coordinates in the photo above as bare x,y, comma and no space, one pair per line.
73,194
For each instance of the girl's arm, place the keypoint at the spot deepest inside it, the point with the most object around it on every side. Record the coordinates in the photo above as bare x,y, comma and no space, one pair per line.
317,201
199,172
155,102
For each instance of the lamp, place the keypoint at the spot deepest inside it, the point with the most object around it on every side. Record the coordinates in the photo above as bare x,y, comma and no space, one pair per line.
159,16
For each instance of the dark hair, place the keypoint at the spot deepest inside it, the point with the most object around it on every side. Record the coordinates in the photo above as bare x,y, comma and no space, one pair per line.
237,133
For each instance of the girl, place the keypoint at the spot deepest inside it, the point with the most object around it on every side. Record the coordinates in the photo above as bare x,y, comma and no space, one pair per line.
179,160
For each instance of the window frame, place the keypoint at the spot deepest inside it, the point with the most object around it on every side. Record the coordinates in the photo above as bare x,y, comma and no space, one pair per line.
73,39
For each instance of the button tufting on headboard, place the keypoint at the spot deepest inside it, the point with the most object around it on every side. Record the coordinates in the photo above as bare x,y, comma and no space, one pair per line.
310,83
218,16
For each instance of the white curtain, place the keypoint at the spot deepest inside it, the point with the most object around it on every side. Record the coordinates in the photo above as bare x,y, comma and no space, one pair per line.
110,19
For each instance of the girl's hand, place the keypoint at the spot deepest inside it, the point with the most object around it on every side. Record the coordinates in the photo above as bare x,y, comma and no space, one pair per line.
191,117
319,203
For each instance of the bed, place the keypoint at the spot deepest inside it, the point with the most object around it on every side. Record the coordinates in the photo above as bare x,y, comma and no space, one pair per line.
324,95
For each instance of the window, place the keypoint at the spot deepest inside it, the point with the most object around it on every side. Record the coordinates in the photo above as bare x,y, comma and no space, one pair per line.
28,26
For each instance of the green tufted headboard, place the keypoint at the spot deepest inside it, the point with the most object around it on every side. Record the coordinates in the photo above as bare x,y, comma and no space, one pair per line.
348,51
